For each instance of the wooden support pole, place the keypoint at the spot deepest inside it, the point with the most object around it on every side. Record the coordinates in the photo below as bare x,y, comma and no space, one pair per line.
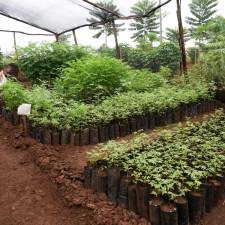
181,39
14,40
57,38
160,18
75,37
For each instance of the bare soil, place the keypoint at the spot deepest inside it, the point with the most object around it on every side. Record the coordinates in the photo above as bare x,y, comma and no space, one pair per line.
43,185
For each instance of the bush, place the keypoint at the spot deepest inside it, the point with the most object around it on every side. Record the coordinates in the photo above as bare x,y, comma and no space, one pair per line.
46,61
141,81
167,54
211,69
14,94
214,67
91,79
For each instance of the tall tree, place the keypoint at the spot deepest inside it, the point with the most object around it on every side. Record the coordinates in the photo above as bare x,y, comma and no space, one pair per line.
110,27
212,31
172,34
202,11
144,26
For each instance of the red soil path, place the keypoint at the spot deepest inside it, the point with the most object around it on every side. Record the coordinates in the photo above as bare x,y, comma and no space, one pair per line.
43,185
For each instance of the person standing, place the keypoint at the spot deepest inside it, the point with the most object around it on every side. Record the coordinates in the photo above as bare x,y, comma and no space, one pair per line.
3,78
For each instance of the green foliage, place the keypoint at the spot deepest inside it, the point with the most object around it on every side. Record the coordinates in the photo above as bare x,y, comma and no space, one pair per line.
45,62
173,35
211,69
146,42
14,94
166,54
175,163
106,51
1,60
91,79
212,33
194,54
142,81
214,67
213,30
149,24
202,11
49,109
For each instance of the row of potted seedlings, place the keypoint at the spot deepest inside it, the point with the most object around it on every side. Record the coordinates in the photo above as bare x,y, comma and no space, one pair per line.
102,133
137,198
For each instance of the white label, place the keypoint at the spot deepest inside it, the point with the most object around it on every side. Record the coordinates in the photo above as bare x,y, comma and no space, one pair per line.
24,109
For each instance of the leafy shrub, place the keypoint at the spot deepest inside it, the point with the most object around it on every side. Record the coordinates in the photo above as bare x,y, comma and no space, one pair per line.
167,54
14,94
91,79
214,67
48,108
211,69
45,61
144,80
106,51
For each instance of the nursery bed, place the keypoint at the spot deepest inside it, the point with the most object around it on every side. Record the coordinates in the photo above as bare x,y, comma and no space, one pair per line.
99,134
187,163
63,166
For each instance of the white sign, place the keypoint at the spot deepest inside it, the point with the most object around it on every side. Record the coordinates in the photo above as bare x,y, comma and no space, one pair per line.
24,109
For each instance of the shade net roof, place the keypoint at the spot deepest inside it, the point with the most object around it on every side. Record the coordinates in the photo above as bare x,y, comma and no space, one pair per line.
55,16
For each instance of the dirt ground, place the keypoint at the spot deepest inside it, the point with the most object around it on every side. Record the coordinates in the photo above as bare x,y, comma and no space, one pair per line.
43,185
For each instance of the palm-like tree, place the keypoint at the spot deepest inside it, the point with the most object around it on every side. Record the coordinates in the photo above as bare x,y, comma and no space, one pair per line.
144,26
172,34
109,27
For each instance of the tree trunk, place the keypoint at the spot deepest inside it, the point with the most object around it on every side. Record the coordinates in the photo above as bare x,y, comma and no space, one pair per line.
75,37
116,40
181,38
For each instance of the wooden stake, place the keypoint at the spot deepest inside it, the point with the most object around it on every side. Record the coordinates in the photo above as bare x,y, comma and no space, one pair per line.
24,123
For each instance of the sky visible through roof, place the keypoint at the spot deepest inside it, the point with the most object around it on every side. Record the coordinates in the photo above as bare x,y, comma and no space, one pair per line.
84,35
